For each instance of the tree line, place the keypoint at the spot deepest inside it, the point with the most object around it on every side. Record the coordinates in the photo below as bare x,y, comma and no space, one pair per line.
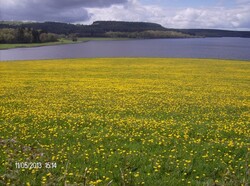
26,35
97,29
41,32
149,34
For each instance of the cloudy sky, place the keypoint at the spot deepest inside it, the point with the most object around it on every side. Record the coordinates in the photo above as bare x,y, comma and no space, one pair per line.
222,14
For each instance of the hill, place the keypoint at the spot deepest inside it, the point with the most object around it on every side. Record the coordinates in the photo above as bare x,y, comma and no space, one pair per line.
214,33
110,29
122,29
98,28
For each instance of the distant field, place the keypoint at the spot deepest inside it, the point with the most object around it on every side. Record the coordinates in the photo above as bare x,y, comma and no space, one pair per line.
60,42
125,121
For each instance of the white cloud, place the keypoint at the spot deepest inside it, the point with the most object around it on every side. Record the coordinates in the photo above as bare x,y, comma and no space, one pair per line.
213,17
222,15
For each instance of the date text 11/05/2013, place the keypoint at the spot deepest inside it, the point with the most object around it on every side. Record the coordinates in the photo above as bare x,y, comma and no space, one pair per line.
35,165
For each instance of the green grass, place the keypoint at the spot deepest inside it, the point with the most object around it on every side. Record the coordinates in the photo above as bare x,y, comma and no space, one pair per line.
125,121
60,42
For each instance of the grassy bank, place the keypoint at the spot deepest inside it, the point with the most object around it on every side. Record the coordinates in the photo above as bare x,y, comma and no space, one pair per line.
60,42
124,122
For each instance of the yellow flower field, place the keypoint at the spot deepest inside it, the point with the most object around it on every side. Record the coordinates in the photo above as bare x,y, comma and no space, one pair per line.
125,121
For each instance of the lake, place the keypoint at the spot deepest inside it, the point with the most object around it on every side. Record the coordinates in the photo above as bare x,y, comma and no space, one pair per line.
218,48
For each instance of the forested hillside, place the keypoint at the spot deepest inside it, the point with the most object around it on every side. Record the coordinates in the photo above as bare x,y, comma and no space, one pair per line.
26,35
214,33
30,32
98,28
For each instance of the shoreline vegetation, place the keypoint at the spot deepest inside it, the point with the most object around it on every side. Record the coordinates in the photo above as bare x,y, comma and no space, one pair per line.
63,41
16,34
24,34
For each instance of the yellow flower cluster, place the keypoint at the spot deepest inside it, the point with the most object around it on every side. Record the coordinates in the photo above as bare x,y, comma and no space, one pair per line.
124,122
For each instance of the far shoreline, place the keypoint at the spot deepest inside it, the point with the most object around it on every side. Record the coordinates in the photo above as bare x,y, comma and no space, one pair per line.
7,46
60,42
215,48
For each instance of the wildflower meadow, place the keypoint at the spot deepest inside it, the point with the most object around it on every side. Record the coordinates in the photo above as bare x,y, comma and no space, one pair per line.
125,122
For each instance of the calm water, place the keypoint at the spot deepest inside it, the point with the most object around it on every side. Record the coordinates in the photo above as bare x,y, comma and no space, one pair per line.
222,48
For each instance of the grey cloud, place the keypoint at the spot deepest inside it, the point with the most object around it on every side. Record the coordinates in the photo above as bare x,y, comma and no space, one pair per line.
51,10
83,3
70,15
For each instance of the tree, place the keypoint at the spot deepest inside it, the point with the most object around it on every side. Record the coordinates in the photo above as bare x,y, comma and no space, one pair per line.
52,37
44,37
73,37
35,36
7,35
20,35
27,37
